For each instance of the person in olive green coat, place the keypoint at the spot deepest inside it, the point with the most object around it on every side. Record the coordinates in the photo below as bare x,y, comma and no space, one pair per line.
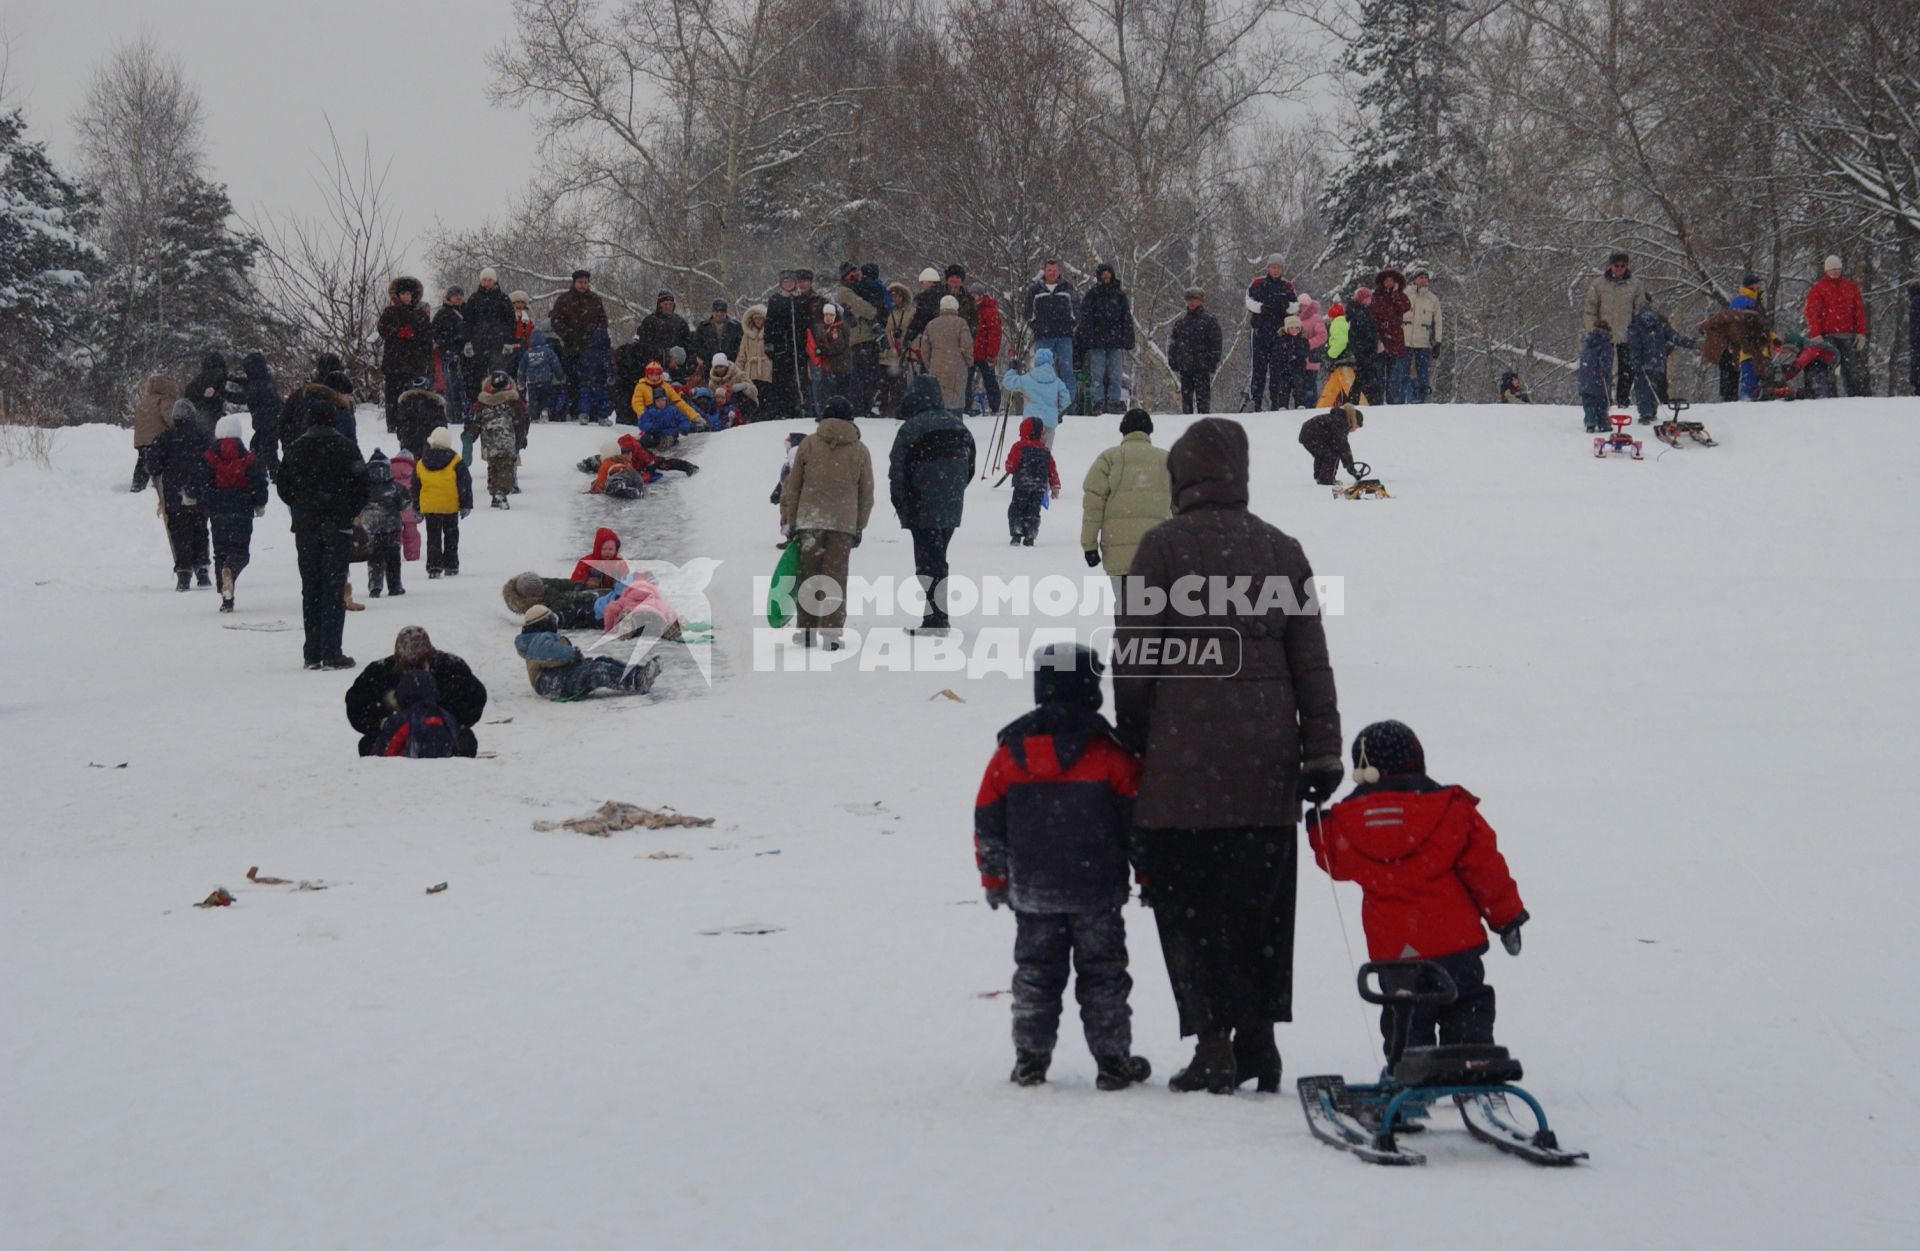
1127,493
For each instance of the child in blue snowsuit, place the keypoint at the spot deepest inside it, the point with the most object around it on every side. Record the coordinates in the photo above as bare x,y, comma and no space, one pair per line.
1598,361
664,421
541,378
1650,336
1047,396
596,373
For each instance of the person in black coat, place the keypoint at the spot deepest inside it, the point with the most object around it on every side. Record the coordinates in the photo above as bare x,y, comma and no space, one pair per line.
1325,436
258,391
490,315
629,366
455,346
788,317
1271,299
293,421
1363,344
1106,336
1193,353
719,335
663,330
207,389
178,458
371,699
323,482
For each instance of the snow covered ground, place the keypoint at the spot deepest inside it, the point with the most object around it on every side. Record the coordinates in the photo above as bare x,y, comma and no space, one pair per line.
1680,686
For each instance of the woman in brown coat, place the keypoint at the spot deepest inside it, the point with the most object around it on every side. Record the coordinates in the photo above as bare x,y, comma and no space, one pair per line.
824,506
150,410
946,345
1232,743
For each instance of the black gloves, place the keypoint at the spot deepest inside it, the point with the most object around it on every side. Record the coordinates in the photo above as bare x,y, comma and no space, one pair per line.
1093,560
997,897
1320,778
856,537
1510,933
464,513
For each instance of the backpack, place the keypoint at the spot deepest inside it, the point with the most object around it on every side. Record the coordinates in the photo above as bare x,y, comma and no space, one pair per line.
431,732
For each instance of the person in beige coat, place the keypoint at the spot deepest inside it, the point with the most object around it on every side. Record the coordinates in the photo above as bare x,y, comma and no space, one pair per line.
891,381
1425,326
946,345
150,410
753,363
1126,493
824,506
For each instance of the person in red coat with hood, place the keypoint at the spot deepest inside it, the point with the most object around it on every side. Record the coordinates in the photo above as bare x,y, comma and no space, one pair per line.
986,346
1390,308
1431,876
602,567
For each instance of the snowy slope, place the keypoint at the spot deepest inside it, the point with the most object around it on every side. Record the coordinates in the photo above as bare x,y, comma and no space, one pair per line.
1679,687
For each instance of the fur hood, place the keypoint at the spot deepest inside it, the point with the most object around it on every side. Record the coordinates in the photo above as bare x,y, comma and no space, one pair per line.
331,396
403,283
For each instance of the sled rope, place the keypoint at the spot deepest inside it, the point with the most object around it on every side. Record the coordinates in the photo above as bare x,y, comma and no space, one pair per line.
1353,968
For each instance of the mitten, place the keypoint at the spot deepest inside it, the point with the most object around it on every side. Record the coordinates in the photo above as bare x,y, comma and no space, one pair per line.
1320,778
1510,933
1093,560
997,897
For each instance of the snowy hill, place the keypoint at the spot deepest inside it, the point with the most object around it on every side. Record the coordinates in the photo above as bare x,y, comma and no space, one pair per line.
1679,687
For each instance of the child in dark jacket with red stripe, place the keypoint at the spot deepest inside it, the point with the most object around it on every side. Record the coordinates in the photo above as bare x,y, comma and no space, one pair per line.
1431,874
1035,478
1050,832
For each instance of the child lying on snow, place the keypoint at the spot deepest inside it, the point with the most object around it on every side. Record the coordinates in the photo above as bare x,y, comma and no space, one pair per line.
1430,874
636,607
559,671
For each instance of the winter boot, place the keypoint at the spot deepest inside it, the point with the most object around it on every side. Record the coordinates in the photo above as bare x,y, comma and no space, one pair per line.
432,573
1030,1068
346,597
226,589
1211,1069
639,678
496,502
1027,541
1014,542
183,580
337,662
1120,1072
203,577
1256,1058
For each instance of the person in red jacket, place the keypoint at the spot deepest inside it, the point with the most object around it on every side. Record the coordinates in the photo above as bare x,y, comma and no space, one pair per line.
600,568
1835,312
1431,876
986,347
1035,480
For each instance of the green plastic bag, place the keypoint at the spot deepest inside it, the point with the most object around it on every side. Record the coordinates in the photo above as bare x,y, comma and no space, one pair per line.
786,575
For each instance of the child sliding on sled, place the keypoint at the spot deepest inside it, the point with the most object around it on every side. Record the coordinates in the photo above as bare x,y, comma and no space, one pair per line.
1050,833
1430,874
1035,478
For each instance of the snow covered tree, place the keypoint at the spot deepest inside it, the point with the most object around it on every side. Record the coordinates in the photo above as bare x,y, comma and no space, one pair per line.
1408,154
46,266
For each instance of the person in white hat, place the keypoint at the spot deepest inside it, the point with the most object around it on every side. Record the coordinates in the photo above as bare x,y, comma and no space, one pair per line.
490,326
1836,313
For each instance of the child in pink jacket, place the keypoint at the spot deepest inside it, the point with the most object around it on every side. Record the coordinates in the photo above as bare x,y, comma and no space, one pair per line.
1313,324
409,520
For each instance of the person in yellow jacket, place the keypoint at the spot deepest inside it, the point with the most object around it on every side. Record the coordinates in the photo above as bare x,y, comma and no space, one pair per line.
1339,365
1126,493
655,379
442,495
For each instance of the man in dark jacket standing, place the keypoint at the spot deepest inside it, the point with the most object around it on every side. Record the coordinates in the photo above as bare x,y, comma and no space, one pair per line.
490,327
577,313
927,476
1053,314
718,335
788,318
455,345
1363,344
406,337
1194,353
663,330
1232,741
1270,297
370,700
324,482
1106,332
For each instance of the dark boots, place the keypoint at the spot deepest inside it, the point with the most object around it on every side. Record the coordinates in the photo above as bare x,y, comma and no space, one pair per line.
1120,1072
1256,1058
1211,1069
1029,1068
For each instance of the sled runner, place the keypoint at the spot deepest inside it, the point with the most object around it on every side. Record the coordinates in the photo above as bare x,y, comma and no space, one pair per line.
1671,431
1619,440
1364,486
1367,1120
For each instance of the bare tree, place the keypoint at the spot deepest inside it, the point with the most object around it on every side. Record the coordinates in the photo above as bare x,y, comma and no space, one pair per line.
327,274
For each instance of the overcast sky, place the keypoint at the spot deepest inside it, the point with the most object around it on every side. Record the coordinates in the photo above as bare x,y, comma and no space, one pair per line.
408,75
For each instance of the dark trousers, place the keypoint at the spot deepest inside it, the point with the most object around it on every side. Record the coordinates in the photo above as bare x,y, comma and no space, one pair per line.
823,555
1266,372
1594,410
187,535
1853,370
570,362
584,677
866,376
1623,375
140,475
394,385
780,395
1224,903
1325,466
1196,392
1093,946
232,541
1023,514
322,552
1299,389
383,564
1649,388
1468,1019
930,570
989,384
1729,378
443,542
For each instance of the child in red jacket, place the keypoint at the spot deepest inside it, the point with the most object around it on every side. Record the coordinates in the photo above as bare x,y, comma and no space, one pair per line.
1431,875
1035,480
602,567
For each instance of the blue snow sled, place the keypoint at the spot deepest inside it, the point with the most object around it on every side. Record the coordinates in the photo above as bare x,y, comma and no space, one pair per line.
1478,1078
